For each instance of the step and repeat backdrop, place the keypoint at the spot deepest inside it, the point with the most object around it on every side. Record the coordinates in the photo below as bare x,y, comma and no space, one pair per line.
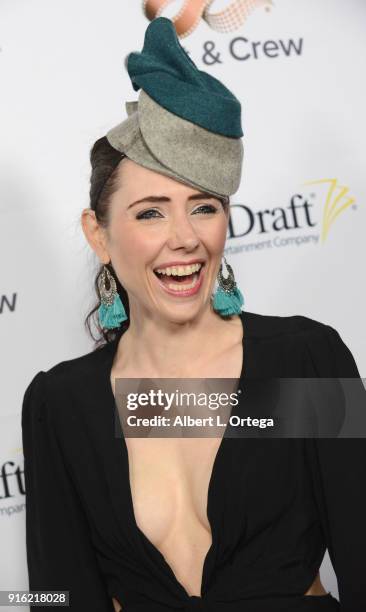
296,238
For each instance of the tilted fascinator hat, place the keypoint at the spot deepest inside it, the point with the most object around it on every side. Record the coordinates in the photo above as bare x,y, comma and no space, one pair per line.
186,125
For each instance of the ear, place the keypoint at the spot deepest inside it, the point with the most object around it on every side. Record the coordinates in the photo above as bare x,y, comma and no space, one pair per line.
95,234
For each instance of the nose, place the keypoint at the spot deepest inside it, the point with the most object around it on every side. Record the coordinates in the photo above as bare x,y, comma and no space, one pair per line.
182,234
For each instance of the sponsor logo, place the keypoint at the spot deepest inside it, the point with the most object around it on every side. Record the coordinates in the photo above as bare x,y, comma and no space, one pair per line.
8,303
231,18
336,201
242,49
306,219
12,487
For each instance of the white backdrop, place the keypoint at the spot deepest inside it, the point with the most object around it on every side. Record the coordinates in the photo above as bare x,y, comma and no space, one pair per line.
63,85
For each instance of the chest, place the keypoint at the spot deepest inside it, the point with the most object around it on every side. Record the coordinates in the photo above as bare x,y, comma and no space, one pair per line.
169,480
169,476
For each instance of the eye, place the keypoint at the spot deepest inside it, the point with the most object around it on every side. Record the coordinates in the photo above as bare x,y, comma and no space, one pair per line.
144,214
208,207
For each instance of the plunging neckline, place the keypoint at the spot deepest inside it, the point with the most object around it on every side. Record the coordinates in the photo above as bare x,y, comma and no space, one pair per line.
211,483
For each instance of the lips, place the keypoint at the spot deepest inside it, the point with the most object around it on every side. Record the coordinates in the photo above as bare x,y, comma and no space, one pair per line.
189,287
184,278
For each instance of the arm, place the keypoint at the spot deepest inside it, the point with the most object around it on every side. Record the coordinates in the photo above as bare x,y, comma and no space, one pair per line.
60,555
339,475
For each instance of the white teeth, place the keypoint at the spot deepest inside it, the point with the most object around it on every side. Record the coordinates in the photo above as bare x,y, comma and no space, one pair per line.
180,270
185,287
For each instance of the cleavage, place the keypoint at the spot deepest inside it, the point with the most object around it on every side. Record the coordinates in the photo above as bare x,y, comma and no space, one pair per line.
169,481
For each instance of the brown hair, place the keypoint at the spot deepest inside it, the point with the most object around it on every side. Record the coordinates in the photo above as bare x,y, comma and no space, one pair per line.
104,182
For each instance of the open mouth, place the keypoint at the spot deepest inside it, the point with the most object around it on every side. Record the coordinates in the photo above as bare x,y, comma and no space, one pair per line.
183,281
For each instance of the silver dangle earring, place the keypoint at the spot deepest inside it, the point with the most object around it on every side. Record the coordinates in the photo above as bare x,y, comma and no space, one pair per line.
227,299
111,311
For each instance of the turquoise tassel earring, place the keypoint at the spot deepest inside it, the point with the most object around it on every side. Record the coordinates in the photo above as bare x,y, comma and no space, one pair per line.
227,299
111,311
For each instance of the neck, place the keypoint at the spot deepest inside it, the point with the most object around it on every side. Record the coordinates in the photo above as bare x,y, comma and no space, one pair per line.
162,347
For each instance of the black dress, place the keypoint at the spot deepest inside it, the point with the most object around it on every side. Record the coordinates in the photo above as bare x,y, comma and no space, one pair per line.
274,505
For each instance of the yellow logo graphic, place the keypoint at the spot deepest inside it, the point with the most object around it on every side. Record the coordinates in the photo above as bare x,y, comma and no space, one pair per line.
192,11
336,202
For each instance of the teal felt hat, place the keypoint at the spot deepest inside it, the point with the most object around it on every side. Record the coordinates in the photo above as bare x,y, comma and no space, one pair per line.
166,72
185,124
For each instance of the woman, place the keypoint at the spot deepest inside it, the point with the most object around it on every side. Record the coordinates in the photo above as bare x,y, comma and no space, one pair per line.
207,523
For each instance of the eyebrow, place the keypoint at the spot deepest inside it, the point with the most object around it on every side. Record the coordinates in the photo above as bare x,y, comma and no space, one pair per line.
197,196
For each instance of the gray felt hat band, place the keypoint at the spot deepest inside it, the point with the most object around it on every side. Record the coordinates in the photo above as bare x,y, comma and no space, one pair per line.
164,142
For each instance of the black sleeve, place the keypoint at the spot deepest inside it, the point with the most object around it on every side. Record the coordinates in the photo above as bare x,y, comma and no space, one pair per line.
60,555
339,473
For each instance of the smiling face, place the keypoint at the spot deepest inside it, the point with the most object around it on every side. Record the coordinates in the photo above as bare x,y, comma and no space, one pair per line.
157,223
